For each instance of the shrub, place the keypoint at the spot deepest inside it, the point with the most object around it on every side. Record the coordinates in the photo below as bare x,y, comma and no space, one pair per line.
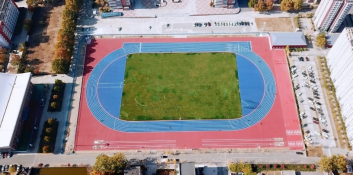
58,82
51,120
40,165
53,105
46,138
268,166
275,166
48,130
261,166
56,88
283,166
305,166
12,169
55,96
46,149
312,166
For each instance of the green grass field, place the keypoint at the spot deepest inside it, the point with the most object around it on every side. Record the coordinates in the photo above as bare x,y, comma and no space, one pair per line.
180,86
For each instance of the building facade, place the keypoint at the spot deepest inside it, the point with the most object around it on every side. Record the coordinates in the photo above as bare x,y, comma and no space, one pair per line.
223,3
340,64
331,13
121,4
8,17
14,105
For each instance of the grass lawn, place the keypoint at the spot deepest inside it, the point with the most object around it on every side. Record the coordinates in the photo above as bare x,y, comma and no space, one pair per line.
180,86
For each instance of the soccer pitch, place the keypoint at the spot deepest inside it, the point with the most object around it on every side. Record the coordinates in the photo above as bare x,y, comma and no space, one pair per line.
180,86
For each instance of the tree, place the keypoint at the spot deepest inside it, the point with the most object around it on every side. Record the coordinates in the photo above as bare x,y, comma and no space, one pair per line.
51,121
325,164
110,165
55,97
60,66
340,162
287,50
297,4
46,149
321,40
286,5
48,130
53,105
269,5
12,169
22,47
58,82
15,59
252,3
260,6
46,138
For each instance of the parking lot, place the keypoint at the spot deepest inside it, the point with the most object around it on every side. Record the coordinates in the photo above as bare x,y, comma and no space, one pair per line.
312,108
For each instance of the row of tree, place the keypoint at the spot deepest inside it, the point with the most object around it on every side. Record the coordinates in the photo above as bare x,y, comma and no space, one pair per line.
333,163
66,37
266,5
106,165
261,5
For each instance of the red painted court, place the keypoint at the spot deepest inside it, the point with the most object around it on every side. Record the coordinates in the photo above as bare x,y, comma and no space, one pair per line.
280,128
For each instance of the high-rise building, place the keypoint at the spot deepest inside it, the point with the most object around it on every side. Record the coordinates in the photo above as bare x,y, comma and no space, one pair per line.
121,4
331,13
340,64
8,18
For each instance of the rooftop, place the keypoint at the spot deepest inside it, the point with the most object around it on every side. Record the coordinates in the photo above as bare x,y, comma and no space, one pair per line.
288,38
187,169
12,92
331,38
3,8
132,170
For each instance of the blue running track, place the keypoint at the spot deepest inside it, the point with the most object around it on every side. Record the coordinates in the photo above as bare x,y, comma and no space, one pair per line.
256,82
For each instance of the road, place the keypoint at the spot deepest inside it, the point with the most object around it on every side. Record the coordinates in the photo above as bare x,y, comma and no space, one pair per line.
29,160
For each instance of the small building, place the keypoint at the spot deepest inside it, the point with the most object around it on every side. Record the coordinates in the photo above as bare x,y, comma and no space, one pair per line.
187,169
121,4
291,39
230,4
8,17
331,39
15,93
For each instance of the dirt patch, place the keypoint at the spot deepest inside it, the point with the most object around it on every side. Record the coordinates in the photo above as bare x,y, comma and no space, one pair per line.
275,24
314,151
43,37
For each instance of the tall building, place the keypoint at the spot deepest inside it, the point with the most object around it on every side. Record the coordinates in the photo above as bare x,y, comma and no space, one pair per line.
340,63
121,4
8,18
224,3
331,13
15,94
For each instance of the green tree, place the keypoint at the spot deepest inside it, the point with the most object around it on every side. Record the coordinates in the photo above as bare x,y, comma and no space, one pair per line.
58,82
110,165
51,121
260,6
297,4
15,59
286,5
46,149
321,40
60,66
252,3
46,138
48,130
53,105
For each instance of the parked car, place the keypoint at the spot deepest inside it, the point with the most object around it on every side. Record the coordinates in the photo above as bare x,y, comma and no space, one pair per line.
317,122
324,130
307,59
299,153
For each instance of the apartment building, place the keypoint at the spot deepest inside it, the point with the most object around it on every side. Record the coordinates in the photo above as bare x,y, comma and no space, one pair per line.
8,18
340,63
331,13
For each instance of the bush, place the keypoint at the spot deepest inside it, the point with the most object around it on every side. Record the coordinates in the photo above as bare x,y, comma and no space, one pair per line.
55,97
56,88
58,82
261,166
53,105
312,166
275,166
283,166
48,130
46,149
268,166
46,138
51,120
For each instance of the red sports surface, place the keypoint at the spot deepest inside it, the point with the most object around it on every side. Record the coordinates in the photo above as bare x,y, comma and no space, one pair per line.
279,129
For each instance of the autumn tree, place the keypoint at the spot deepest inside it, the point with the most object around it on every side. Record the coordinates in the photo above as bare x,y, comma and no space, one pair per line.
252,3
51,120
241,167
329,164
321,40
260,6
286,5
110,165
60,66
48,130
46,149
15,59
297,4
269,5
55,97
287,50
22,47
12,169
46,138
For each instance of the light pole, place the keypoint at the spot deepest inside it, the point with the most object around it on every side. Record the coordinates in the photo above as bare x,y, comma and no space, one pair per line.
263,27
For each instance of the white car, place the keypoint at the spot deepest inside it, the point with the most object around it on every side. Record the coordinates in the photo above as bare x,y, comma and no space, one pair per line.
298,94
311,102
308,136
296,75
305,83
317,106
322,120
317,133
325,135
293,69
309,67
305,77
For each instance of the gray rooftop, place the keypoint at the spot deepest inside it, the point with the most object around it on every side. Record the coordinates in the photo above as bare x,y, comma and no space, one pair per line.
132,170
288,38
187,169
3,8
331,38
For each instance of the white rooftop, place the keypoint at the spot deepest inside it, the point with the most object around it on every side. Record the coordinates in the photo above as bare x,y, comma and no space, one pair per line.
12,91
288,38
